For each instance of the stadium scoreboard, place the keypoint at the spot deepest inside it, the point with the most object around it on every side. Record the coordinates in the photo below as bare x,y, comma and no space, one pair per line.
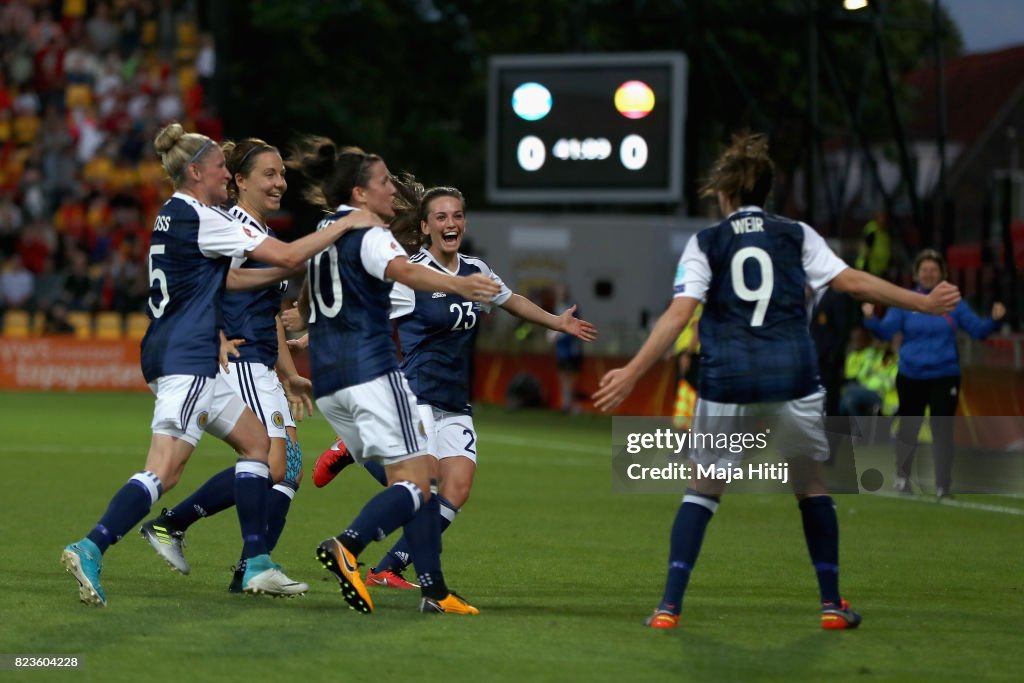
591,128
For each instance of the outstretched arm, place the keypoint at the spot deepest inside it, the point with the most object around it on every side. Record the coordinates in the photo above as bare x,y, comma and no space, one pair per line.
476,286
522,307
246,279
618,384
292,254
867,287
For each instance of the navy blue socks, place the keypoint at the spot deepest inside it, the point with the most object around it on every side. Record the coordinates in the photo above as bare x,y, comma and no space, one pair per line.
687,536
821,529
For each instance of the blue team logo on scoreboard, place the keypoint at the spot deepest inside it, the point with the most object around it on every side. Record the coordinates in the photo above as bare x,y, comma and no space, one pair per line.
531,101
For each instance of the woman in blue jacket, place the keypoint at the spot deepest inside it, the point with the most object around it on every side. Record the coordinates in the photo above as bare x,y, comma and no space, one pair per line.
929,369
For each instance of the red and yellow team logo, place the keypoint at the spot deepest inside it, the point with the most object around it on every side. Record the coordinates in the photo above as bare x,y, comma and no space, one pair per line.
202,419
277,419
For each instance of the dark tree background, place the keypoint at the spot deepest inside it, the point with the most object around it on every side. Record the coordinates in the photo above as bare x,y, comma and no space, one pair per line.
407,78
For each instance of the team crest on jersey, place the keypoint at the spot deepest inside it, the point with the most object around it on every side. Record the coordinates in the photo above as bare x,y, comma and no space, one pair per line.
423,430
248,232
202,419
277,419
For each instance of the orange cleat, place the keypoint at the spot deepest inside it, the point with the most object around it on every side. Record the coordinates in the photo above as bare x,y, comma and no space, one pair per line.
662,619
339,561
839,618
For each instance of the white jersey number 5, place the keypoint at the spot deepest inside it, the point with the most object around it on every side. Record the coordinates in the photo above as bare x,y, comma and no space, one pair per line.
158,276
763,294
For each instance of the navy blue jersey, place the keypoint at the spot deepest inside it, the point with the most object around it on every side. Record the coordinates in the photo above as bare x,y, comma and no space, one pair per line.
349,329
437,331
189,255
252,316
753,271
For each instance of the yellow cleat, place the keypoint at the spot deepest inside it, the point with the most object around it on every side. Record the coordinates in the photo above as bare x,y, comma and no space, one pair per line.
339,561
453,604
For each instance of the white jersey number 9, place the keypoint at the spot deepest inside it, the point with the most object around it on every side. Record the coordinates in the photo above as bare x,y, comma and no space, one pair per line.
160,277
763,294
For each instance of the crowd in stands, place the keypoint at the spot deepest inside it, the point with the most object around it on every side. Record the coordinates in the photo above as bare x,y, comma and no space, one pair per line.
84,87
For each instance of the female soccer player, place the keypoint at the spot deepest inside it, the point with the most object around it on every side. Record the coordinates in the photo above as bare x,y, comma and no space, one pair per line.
437,334
356,380
257,185
757,357
189,259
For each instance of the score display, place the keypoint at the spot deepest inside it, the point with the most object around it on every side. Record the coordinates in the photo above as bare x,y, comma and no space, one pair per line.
593,128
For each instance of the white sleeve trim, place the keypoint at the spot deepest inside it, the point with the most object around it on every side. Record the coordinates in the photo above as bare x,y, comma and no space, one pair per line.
379,248
819,261
221,235
403,300
693,274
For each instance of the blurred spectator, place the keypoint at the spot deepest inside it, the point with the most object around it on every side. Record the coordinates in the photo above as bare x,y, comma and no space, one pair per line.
57,320
101,30
84,85
10,222
568,355
870,377
830,327
16,284
929,370
49,288
38,241
875,251
79,290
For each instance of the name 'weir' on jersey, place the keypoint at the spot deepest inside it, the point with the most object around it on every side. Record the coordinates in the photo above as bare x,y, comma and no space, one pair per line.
349,327
184,303
252,316
755,343
437,331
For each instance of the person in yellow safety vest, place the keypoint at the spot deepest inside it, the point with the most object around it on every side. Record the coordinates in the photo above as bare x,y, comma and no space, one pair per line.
875,249
687,353
870,378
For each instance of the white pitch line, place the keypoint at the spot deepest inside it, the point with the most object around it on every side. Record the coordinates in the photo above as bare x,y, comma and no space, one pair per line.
545,444
955,503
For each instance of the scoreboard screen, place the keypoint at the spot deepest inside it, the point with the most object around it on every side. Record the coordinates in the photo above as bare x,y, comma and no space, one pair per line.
601,128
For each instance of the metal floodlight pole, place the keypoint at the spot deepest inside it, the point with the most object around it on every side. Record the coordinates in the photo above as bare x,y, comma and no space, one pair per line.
943,226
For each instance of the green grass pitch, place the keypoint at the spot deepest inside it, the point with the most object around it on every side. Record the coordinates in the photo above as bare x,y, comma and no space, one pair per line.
562,569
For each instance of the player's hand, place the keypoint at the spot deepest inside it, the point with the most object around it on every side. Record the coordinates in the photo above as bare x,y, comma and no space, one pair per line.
300,344
478,287
942,299
867,308
576,327
292,319
998,311
299,391
615,387
229,347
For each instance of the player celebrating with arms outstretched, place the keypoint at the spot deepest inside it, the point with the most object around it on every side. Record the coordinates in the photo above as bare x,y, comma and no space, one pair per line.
752,271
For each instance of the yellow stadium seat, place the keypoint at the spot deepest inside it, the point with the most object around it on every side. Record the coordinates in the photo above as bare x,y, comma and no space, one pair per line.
82,322
137,324
108,325
16,324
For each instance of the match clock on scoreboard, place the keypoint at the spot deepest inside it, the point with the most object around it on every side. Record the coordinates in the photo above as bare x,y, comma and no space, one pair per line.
602,128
